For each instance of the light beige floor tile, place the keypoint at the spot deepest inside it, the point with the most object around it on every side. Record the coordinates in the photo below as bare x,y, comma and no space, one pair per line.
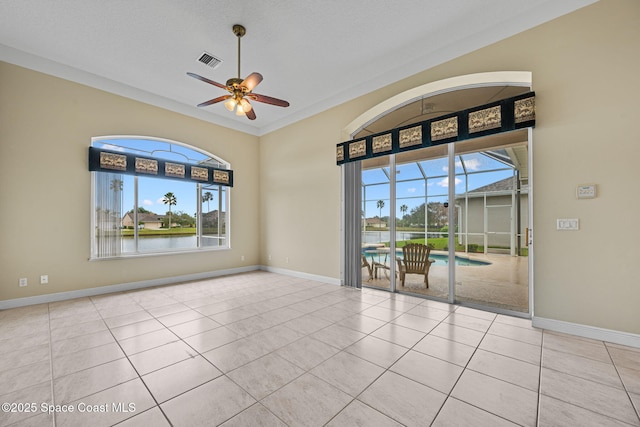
123,401
418,323
375,350
78,330
276,337
83,383
306,401
147,341
44,419
165,310
37,394
359,414
74,319
193,327
480,314
159,357
432,372
405,401
362,323
211,339
348,373
579,346
556,413
15,379
475,323
511,348
506,400
167,383
250,325
135,329
338,336
230,315
528,335
429,312
589,395
458,334
84,359
9,345
630,378
381,313
307,352
256,415
127,319
209,404
179,317
515,321
582,367
456,413
150,418
505,368
625,358
397,305
400,335
18,358
83,342
635,400
238,353
442,348
265,375
307,324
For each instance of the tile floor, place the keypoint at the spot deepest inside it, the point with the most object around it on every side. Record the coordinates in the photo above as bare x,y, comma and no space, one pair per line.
271,350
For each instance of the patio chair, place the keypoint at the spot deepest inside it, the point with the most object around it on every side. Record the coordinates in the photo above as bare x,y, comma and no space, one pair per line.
415,260
365,263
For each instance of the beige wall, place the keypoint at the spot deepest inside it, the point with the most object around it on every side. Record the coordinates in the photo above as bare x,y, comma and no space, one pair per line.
46,125
584,69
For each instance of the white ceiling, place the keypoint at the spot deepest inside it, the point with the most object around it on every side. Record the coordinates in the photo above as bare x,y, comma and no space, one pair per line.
314,54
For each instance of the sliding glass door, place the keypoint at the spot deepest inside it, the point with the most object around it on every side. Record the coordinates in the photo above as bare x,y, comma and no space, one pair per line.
468,203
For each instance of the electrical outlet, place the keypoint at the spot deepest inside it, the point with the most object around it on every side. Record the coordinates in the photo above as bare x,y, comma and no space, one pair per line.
287,260
242,258
269,257
22,282
44,279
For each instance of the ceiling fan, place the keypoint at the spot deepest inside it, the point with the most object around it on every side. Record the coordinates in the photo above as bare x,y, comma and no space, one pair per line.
240,91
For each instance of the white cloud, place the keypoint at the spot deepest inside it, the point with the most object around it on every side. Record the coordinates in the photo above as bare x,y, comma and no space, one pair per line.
472,164
147,202
444,182
159,201
411,190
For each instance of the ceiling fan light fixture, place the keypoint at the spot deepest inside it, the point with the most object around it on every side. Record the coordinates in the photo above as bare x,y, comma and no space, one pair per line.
231,104
245,105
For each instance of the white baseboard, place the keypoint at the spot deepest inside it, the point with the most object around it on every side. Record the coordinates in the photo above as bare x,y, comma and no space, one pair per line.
585,331
302,275
80,293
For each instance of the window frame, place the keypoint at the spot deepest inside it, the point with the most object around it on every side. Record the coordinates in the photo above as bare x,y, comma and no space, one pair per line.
224,206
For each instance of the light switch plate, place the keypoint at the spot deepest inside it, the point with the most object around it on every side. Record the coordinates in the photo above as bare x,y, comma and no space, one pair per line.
568,224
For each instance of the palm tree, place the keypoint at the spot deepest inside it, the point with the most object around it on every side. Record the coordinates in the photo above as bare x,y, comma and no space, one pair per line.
404,209
206,197
171,200
380,205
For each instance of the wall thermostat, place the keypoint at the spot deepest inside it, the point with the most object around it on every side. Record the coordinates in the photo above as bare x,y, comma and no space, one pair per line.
586,191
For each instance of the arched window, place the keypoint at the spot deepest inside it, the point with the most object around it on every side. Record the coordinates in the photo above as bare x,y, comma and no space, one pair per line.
152,196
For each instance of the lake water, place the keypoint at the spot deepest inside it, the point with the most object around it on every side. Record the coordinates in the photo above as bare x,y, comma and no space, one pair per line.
164,243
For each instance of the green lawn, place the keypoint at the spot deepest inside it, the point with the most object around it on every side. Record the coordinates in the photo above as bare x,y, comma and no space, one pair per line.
177,231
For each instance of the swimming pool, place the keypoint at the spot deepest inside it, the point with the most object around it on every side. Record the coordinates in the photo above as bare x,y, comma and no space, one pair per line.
440,259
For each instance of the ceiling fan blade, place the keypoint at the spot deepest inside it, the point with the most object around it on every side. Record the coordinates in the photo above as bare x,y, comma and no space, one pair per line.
214,100
251,114
206,80
252,81
268,100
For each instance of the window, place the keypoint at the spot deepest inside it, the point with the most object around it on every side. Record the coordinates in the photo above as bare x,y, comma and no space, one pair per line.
155,196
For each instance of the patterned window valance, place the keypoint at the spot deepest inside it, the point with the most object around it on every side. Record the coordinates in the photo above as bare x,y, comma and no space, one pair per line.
502,116
132,164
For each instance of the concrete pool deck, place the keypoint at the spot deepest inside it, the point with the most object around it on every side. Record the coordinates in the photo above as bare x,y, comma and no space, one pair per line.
502,284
